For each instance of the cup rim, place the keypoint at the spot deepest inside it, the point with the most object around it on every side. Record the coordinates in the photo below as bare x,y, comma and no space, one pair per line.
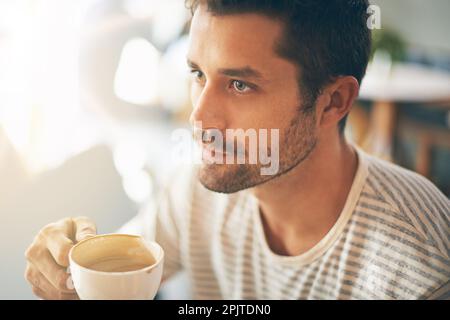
115,273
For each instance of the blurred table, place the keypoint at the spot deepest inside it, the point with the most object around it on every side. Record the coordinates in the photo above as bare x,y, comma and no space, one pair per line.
387,85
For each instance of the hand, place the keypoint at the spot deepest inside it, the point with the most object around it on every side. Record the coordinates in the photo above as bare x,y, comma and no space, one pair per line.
48,257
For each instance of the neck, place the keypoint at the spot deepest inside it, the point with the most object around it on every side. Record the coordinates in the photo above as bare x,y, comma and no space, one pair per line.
299,208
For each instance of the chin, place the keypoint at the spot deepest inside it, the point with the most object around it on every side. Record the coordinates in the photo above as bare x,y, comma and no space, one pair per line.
230,178
217,177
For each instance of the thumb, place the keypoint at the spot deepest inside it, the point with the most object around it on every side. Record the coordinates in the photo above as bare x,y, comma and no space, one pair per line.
84,228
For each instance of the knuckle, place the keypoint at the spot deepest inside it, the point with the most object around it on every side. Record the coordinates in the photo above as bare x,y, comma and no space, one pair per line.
47,231
33,278
29,274
65,223
62,256
66,220
86,220
36,291
32,251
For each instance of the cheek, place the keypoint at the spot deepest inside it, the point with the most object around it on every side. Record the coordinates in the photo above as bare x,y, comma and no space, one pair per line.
277,112
281,104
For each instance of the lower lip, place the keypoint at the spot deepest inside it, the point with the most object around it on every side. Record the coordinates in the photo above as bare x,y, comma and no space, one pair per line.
212,156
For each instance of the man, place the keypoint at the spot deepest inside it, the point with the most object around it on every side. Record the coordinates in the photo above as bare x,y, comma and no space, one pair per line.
332,222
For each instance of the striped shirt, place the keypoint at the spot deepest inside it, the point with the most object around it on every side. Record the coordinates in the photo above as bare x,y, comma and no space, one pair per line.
391,241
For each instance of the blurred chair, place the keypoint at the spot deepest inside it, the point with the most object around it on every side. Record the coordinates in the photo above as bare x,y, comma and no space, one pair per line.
420,137
425,129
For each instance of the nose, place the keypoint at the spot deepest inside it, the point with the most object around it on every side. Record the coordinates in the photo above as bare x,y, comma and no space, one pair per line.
208,108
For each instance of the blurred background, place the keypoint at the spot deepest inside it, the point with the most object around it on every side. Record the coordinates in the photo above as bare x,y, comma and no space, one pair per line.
91,90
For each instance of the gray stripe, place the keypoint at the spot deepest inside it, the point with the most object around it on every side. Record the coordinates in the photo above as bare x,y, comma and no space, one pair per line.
245,264
380,277
444,296
406,191
371,196
314,277
386,222
331,270
249,274
250,266
407,243
442,293
388,191
330,262
407,254
343,284
199,283
306,286
375,172
418,199
200,294
386,212
250,244
354,285
352,253
430,205
338,265
399,262
434,193
444,207
385,268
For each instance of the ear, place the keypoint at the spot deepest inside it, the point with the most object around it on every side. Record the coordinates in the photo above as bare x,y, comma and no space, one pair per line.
336,100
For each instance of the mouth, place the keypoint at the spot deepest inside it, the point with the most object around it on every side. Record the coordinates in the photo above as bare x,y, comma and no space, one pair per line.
213,155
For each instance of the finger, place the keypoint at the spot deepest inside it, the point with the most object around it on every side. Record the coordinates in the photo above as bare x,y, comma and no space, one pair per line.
52,295
84,228
59,246
40,293
54,273
56,237
37,279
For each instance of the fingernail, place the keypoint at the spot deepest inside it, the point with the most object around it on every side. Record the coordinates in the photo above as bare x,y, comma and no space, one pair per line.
85,236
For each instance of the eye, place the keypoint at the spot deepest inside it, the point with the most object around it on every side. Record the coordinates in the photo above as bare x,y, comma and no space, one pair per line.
240,86
197,74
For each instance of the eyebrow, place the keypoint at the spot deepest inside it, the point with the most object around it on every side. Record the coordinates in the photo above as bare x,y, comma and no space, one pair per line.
245,72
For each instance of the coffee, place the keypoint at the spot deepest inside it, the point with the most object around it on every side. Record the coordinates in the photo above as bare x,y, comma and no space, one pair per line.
121,264
114,254
116,266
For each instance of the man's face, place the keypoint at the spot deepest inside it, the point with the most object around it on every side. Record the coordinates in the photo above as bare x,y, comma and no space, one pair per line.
239,82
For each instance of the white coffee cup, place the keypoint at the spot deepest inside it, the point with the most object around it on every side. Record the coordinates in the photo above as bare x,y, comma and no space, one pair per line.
100,267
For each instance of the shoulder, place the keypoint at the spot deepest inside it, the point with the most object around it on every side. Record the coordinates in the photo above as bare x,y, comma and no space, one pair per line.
403,184
406,220
414,198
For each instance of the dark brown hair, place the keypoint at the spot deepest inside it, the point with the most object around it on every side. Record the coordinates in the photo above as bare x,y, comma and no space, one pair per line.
325,38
